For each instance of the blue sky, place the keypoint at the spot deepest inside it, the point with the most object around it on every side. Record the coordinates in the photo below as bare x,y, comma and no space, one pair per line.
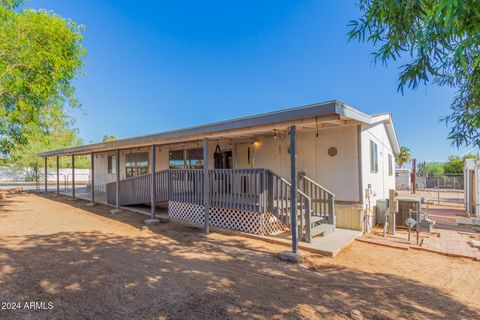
160,65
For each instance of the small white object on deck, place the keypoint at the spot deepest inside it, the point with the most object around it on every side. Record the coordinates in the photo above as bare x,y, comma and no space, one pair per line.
151,221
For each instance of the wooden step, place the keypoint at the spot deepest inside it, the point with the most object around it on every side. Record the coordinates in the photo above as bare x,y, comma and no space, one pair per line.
322,230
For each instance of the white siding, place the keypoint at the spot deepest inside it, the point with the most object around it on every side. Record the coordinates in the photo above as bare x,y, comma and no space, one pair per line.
338,174
380,181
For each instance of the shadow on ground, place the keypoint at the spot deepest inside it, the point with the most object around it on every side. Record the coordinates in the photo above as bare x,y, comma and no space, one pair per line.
177,274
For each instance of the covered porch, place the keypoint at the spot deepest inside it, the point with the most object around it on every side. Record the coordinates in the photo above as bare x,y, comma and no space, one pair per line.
263,175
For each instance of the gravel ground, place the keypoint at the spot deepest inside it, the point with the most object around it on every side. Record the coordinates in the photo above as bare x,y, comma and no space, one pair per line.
90,265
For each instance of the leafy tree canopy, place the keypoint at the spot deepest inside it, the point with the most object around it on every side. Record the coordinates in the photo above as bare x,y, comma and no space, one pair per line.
60,136
442,40
40,55
107,138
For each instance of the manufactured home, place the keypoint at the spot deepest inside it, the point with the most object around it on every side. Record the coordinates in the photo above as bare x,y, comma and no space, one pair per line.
329,159
403,180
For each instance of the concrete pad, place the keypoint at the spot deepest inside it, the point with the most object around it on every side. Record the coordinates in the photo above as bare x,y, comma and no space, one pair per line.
90,204
115,211
151,221
289,256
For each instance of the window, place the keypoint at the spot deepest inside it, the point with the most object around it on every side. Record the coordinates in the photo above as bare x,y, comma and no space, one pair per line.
136,164
186,159
390,165
112,164
195,158
373,157
176,160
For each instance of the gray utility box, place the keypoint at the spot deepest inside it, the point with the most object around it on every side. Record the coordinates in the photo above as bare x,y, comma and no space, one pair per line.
381,210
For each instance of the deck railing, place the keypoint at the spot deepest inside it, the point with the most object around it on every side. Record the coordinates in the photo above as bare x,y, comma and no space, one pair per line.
242,189
258,190
323,200
279,202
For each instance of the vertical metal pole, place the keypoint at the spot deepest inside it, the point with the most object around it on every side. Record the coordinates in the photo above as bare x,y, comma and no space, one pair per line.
58,175
46,177
92,190
153,186
206,186
293,195
73,176
414,176
117,185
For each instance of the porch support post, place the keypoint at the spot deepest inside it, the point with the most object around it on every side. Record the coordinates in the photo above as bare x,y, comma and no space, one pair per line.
46,174
58,175
293,195
153,189
92,180
206,186
117,184
73,176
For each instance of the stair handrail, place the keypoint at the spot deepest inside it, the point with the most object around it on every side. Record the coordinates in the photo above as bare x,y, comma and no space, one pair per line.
304,218
304,176
323,200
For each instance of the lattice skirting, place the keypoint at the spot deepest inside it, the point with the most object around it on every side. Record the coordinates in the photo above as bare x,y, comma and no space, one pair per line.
246,221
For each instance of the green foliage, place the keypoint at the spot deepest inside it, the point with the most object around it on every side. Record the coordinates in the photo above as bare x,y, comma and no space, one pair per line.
403,157
25,155
435,169
453,165
40,55
442,40
107,138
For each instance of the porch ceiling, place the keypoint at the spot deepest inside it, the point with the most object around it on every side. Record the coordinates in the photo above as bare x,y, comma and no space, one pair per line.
322,115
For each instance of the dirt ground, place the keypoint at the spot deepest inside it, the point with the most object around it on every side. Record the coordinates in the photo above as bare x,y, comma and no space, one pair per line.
92,265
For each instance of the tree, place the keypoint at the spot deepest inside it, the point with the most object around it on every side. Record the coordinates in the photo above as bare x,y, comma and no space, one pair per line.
435,169
61,136
107,138
455,164
403,157
441,39
40,54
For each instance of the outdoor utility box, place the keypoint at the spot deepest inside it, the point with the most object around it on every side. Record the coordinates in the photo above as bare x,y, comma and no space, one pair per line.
404,206
381,210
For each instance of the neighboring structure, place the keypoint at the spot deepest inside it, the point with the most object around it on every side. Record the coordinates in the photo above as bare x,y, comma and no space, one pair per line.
472,192
403,178
241,174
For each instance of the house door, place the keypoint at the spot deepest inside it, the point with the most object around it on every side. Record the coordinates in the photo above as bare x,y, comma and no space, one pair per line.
243,156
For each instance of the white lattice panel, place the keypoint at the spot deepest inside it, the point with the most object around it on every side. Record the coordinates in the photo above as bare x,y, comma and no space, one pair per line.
245,221
272,225
186,211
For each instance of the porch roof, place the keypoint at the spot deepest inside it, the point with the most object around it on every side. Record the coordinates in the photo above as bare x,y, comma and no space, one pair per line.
326,112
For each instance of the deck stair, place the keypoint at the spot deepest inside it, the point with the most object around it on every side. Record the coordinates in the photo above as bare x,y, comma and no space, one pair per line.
258,190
